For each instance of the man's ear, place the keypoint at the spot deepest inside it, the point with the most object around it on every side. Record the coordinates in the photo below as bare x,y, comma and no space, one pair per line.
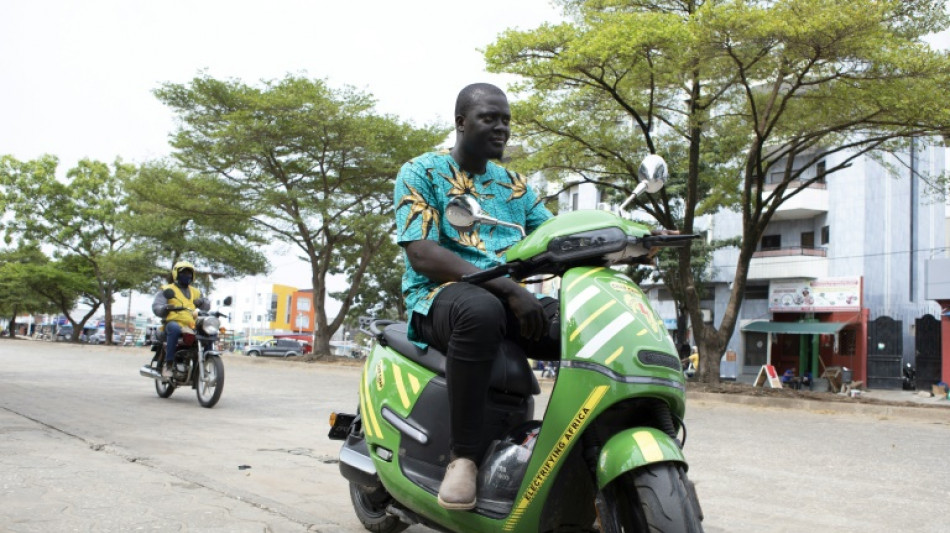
459,123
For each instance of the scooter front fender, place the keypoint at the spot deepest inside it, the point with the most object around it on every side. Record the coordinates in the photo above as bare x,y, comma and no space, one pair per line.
632,448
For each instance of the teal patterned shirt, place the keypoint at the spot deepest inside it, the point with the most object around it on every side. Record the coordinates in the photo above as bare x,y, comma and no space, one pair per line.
423,188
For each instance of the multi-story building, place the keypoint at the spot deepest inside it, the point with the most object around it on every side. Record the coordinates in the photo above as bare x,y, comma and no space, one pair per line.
260,308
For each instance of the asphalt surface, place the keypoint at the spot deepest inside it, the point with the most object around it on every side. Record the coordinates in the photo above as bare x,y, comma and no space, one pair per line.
86,445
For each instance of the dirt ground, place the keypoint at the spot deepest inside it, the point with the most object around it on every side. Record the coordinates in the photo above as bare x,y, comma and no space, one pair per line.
767,392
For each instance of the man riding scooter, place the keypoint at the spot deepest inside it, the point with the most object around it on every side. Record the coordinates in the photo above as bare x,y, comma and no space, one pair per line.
465,321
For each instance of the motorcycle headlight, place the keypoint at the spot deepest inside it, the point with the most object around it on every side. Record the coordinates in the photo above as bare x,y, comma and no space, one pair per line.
587,244
210,326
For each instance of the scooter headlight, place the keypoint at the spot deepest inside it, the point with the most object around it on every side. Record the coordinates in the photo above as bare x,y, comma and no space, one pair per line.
587,244
210,326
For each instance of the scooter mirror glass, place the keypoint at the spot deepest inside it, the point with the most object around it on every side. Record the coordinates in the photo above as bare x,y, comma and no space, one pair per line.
462,212
653,173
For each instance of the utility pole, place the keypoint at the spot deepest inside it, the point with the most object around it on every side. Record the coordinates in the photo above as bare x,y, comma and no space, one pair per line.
128,313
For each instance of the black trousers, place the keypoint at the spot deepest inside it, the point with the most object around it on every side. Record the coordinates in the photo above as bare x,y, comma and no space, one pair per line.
468,323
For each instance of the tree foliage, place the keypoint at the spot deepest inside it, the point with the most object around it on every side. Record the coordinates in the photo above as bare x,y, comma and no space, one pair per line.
739,90
82,216
312,167
194,217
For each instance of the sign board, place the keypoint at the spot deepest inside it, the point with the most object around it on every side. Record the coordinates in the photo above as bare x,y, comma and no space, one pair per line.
818,295
768,374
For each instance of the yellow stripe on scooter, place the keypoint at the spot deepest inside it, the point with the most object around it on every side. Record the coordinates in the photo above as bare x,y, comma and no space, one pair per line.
574,428
369,411
580,327
584,275
648,445
400,386
367,427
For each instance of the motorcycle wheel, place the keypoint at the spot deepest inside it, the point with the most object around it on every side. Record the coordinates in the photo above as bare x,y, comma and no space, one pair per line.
370,505
209,391
654,498
163,388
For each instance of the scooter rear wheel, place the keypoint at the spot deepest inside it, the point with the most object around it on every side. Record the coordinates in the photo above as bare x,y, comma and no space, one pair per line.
370,505
655,498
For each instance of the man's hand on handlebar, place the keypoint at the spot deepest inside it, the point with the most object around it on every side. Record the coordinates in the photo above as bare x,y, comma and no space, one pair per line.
529,312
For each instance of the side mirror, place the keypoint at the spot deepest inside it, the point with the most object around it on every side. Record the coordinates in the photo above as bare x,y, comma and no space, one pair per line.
464,213
227,301
652,175
168,294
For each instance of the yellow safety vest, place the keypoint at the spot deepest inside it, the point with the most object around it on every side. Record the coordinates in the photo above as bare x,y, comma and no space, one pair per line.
185,318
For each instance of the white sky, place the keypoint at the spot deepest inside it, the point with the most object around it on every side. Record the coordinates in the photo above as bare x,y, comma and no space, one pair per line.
76,77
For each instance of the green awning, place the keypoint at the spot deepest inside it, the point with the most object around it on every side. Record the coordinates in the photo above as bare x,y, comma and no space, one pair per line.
795,328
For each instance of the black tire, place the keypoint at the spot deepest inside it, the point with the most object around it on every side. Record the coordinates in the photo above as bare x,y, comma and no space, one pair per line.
253,353
209,391
370,505
656,498
164,389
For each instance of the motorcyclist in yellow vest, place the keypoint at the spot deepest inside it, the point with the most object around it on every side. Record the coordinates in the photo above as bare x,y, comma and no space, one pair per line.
178,321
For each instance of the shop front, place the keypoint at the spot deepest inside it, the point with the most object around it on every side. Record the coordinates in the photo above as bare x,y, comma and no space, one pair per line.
814,325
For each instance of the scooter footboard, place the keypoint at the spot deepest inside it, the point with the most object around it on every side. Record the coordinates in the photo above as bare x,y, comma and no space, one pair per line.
632,448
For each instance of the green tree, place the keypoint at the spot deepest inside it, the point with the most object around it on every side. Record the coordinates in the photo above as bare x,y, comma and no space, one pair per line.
82,216
745,90
313,167
66,283
17,294
195,217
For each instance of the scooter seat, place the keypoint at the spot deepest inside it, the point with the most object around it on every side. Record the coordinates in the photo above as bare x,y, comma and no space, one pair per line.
511,372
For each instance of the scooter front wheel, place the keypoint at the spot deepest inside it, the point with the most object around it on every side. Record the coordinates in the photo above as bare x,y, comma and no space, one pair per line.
370,505
655,498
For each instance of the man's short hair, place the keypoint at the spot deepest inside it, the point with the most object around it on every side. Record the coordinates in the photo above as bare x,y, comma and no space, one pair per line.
471,93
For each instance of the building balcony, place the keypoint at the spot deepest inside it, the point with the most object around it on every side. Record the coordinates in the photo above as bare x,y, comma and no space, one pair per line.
789,263
807,203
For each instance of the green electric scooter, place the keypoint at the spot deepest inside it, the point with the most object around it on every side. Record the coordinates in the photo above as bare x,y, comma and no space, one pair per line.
607,455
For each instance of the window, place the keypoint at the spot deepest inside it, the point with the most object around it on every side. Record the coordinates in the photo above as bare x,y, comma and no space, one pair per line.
771,242
247,317
757,292
808,239
825,234
820,171
287,310
303,304
574,201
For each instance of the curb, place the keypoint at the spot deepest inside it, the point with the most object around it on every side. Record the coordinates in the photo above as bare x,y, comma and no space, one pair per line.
879,410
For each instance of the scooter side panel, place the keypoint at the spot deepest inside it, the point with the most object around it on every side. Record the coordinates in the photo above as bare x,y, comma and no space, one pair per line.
633,448
393,382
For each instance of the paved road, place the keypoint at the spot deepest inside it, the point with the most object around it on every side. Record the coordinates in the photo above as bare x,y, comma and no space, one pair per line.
86,445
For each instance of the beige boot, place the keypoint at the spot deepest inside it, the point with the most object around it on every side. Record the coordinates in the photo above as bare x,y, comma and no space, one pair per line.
458,487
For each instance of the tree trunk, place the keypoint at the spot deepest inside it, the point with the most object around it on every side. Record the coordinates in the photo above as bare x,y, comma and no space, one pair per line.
107,306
